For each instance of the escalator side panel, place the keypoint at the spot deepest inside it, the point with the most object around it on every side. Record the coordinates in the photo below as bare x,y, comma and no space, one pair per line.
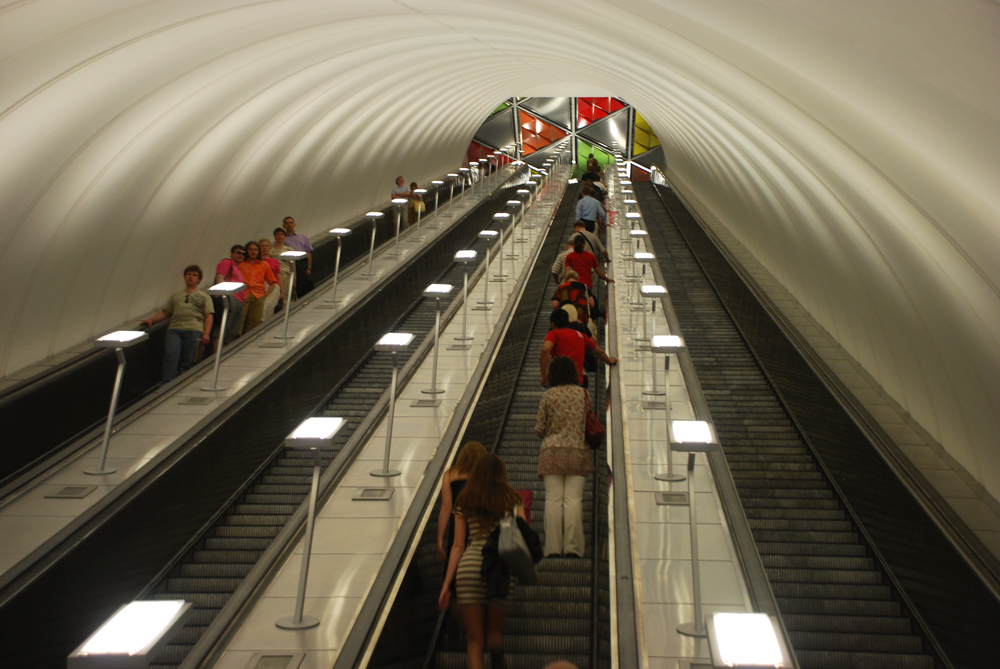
959,610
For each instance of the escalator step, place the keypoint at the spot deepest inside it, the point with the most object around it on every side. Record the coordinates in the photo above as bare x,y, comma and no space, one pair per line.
816,659
832,592
852,624
827,576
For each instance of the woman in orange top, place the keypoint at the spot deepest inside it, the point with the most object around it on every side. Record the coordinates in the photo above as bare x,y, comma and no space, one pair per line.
260,282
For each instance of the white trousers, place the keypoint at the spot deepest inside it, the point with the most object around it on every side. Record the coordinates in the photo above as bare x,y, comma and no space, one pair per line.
563,514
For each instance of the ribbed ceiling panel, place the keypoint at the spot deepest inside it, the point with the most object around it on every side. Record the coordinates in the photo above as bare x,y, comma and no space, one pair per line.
851,147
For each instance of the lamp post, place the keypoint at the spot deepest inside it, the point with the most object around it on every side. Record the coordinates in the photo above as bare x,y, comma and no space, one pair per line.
524,195
339,233
224,289
374,217
435,290
464,257
500,218
691,437
487,303
484,169
464,171
651,292
451,192
420,209
398,203
437,191
667,344
119,340
641,258
394,341
290,256
312,435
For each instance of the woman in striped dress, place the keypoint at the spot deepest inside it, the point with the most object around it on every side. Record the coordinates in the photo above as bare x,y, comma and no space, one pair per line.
485,500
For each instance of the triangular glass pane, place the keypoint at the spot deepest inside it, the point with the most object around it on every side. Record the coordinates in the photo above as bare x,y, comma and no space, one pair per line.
608,130
557,110
652,157
583,151
503,105
644,137
543,154
536,133
498,130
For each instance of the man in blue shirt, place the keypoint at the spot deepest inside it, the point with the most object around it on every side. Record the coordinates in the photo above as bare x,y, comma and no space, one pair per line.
590,211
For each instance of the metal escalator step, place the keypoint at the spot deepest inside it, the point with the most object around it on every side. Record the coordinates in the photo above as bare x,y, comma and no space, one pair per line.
816,562
569,626
816,659
759,513
201,600
203,585
853,624
203,556
764,494
822,549
833,592
827,576
237,543
457,660
172,654
806,537
239,519
276,489
776,475
246,532
215,570
800,525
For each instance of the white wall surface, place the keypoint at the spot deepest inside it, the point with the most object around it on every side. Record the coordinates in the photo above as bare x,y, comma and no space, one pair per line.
852,146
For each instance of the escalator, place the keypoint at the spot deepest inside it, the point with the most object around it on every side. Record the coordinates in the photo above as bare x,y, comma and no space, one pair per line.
860,574
565,615
216,564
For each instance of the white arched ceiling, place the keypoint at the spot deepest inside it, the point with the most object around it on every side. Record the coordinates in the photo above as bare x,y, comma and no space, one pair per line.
851,146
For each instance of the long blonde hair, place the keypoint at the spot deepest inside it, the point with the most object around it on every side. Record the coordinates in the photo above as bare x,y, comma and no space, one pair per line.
487,496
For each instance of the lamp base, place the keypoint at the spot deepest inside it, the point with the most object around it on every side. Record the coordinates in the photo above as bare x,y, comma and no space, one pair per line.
691,629
97,471
460,347
426,403
671,478
288,623
653,404
213,389
484,306
386,473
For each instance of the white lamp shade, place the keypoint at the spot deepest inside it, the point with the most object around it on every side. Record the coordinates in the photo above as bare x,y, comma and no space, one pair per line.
438,289
226,288
501,215
131,636
465,256
515,203
644,256
318,427
437,182
632,215
488,234
746,640
394,340
653,291
666,344
637,233
375,214
419,191
399,201
122,338
340,232
293,255
452,175
691,436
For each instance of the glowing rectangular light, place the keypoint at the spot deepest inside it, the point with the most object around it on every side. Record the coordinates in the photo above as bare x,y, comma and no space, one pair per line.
437,182
632,215
465,256
629,201
399,201
130,634
501,214
394,340
452,175
572,181
438,289
691,432
226,288
523,191
651,290
626,182
293,255
375,214
318,427
488,233
637,233
340,232
419,191
122,338
666,344
644,256
745,640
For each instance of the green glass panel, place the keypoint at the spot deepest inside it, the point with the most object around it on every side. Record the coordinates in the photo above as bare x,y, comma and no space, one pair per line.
583,149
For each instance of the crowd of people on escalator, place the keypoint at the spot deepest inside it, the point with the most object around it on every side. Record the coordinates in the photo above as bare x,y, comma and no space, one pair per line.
196,318
475,492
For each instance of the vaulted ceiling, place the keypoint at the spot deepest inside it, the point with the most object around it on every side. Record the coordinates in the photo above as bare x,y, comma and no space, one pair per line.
851,146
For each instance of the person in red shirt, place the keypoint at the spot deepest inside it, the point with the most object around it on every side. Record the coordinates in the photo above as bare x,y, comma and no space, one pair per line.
561,340
582,262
